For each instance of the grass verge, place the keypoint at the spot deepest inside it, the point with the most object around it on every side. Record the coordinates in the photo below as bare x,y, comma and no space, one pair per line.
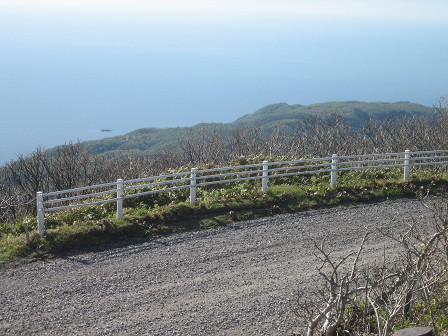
78,228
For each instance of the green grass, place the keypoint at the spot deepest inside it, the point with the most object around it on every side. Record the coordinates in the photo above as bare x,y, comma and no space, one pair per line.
162,214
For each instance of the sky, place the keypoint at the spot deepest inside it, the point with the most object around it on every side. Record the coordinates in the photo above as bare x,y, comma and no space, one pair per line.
69,68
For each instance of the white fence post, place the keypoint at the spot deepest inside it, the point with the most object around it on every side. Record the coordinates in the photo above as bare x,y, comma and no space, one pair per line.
193,186
40,213
334,167
120,198
264,180
406,166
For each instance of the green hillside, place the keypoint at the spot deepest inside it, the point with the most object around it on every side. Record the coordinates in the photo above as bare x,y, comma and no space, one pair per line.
153,140
355,111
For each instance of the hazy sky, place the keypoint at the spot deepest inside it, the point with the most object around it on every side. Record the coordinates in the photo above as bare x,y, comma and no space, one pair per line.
69,68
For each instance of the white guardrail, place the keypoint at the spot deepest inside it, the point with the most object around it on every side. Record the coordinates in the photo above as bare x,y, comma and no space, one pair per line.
262,171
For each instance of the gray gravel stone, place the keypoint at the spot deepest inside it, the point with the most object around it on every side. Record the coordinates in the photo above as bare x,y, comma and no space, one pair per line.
240,279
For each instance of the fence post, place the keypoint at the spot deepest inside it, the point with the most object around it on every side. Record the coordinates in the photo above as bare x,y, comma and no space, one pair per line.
334,167
120,198
40,213
264,180
406,166
193,186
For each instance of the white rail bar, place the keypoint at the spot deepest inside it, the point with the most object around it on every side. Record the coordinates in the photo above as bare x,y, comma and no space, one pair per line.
228,168
307,172
428,163
300,167
430,152
155,177
248,172
416,158
82,205
156,191
341,163
368,155
155,184
67,191
299,161
64,199
370,167
230,180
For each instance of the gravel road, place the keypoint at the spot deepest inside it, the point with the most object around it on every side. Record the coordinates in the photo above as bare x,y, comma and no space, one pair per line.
240,279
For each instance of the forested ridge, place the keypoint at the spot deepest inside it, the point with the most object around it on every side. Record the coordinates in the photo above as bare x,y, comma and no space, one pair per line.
153,140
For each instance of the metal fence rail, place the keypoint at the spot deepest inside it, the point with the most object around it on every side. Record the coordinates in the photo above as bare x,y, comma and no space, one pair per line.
94,195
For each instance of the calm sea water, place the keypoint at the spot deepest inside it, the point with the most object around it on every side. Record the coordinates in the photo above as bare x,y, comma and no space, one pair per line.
24,141
65,82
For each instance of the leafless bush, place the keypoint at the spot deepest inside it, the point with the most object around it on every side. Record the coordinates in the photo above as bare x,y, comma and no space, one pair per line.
379,295
206,146
415,133
325,136
131,166
69,167
409,133
28,172
169,158
20,180
328,306
13,203
246,141
440,126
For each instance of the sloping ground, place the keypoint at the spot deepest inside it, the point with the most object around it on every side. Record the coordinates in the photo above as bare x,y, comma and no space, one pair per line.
234,280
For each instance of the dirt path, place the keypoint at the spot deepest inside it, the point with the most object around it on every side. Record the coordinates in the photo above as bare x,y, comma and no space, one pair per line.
235,280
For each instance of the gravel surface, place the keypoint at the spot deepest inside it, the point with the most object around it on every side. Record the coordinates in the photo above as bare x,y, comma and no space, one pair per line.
240,279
